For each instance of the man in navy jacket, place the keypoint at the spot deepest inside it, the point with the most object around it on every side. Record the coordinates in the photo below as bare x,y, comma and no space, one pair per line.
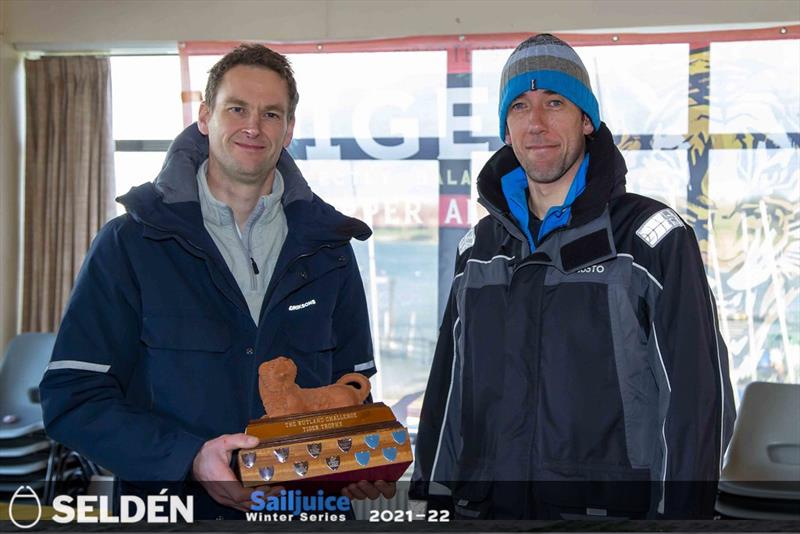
227,260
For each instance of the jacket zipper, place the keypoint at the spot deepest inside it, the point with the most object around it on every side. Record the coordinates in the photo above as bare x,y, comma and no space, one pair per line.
253,272
248,253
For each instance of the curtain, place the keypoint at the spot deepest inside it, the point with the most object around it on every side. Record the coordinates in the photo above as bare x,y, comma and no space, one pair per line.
69,178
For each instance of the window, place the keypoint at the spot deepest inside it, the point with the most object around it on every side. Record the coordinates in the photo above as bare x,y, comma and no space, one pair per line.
146,107
395,133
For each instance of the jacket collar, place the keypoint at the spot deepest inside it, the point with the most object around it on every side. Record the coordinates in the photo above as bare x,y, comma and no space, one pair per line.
171,203
605,179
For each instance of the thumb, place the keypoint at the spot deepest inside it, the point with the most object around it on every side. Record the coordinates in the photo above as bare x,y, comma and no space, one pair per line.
241,441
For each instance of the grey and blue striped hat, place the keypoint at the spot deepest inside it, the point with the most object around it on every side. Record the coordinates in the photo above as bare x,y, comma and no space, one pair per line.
546,62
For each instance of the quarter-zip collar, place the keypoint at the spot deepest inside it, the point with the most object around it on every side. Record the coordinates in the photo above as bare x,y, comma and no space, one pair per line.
250,252
217,213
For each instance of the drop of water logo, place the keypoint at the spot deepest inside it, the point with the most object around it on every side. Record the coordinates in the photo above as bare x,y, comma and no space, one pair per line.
21,494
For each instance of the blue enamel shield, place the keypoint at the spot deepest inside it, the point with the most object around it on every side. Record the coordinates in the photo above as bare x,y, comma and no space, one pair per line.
399,436
390,453
372,440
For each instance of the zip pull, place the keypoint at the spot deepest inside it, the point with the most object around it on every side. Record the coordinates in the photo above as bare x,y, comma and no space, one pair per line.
253,263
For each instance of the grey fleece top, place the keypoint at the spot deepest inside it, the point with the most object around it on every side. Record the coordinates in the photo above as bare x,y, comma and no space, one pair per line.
251,254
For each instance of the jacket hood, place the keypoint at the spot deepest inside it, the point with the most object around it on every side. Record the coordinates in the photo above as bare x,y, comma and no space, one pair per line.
605,178
171,201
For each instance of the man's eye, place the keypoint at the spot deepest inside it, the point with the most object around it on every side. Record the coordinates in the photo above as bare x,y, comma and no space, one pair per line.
236,109
555,103
271,115
518,106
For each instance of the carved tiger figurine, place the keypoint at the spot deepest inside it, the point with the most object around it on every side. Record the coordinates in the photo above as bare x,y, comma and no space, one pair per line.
281,396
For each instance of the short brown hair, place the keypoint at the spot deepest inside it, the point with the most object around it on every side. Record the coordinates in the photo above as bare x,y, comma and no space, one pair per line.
253,55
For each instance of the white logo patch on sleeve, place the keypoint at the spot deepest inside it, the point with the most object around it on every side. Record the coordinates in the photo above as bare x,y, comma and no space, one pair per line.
658,226
467,241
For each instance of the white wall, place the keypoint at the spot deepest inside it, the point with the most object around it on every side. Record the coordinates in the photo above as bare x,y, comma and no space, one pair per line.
11,156
91,21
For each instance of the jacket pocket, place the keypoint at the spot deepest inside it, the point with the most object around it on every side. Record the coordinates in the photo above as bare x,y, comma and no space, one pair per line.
310,340
471,500
185,333
308,322
591,494
580,417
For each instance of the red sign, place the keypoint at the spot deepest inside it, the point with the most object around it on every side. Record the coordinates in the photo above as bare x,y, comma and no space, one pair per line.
454,211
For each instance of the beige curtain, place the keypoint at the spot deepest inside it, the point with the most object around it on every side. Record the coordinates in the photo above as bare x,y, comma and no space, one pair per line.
69,178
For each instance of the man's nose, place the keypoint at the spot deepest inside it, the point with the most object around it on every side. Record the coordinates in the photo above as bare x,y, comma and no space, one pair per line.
251,127
536,122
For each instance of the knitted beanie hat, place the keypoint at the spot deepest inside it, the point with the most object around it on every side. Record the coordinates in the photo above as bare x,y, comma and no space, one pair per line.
546,62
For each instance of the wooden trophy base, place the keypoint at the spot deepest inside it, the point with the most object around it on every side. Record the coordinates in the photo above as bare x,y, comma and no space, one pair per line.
342,445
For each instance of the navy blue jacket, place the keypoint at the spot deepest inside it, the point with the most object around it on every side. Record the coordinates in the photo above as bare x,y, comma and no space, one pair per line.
157,352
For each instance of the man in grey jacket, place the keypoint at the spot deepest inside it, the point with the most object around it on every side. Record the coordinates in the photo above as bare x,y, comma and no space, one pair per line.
580,371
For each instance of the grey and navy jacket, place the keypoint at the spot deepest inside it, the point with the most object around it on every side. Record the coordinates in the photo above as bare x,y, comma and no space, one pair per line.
157,351
585,377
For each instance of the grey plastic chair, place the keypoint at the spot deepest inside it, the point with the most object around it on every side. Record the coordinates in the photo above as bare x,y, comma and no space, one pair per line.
761,474
26,453
20,373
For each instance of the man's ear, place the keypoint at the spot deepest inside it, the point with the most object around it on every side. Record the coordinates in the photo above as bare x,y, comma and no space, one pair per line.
203,117
508,136
289,133
588,127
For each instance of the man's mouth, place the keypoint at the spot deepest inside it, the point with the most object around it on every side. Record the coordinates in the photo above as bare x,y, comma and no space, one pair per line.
540,147
247,146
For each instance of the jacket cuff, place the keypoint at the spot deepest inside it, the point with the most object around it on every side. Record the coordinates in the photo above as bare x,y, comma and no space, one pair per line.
178,465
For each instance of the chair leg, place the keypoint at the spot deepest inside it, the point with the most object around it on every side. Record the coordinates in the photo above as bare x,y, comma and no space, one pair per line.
50,476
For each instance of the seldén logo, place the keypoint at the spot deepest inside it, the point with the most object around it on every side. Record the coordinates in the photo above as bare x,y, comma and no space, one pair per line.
292,504
24,493
160,508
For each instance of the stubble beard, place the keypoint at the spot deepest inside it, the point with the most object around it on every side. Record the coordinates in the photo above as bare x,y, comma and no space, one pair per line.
235,171
552,173
241,174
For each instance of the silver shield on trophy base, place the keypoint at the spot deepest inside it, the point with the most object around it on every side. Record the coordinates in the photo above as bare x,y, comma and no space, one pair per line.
249,459
333,462
282,454
314,449
266,473
301,468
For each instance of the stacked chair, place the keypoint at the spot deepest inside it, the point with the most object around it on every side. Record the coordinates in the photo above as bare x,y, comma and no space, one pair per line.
761,477
27,455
